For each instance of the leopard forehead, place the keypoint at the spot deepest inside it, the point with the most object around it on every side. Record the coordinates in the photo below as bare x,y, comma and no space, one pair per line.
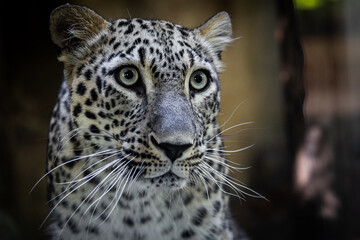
169,51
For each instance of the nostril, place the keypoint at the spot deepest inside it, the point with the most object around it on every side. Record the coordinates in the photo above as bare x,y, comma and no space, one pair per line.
173,151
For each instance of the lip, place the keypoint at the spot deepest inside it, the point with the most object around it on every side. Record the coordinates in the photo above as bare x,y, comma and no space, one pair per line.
168,175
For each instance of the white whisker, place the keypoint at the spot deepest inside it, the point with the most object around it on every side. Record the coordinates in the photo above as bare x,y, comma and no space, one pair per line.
233,151
231,115
232,127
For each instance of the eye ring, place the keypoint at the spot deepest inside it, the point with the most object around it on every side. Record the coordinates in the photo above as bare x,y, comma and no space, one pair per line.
199,80
128,76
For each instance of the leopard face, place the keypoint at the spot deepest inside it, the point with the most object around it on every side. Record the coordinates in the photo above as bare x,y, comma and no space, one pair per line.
148,90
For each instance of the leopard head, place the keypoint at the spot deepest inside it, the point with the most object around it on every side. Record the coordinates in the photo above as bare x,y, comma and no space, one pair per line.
147,89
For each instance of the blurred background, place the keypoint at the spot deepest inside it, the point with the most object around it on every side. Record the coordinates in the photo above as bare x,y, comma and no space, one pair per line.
294,73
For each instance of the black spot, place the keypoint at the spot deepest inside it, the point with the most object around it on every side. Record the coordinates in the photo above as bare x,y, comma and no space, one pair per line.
145,219
137,41
107,106
123,23
188,199
78,71
116,123
87,136
93,230
88,74
81,89
116,45
199,217
183,31
77,110
103,72
128,196
112,40
156,75
73,226
94,129
128,221
179,215
217,206
102,114
77,152
187,233
93,94
90,115
170,26
130,29
143,194
130,49
111,56
98,83
88,102
141,53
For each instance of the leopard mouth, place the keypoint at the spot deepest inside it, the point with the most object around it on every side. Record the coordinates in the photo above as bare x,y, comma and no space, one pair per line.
169,180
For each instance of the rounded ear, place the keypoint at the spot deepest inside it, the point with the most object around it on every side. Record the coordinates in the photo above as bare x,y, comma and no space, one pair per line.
217,31
72,26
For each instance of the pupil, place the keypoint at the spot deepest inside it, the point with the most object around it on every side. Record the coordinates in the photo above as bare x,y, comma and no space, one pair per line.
128,74
197,78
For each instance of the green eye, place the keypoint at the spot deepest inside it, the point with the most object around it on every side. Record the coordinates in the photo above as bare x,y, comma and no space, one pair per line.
128,76
198,80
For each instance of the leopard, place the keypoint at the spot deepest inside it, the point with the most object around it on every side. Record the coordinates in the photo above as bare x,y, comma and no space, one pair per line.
135,149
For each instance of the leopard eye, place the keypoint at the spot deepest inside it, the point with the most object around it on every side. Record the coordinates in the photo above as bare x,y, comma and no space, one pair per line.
128,76
198,80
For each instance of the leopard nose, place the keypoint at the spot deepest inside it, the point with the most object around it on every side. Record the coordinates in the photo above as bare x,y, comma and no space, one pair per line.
172,151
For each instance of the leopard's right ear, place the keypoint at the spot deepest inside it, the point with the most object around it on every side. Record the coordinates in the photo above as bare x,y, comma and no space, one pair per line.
73,27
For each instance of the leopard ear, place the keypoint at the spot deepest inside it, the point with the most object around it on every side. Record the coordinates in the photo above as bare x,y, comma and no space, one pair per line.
72,26
217,31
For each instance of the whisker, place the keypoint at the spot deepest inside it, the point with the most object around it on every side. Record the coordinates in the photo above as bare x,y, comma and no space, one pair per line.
202,179
88,197
232,127
119,196
207,174
96,163
225,164
233,151
225,160
93,174
116,179
53,169
233,181
231,115
77,187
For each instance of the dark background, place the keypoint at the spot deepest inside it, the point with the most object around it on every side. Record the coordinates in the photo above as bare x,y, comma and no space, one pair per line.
304,100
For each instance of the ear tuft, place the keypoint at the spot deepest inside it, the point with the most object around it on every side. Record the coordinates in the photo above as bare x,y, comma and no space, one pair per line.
72,26
217,31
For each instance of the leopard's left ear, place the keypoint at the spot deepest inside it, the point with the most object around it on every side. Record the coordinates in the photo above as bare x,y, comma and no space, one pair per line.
217,31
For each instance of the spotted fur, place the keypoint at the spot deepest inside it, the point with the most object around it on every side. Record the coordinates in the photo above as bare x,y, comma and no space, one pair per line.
138,162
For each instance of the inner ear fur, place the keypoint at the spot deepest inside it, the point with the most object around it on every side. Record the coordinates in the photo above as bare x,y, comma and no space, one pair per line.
74,26
217,31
